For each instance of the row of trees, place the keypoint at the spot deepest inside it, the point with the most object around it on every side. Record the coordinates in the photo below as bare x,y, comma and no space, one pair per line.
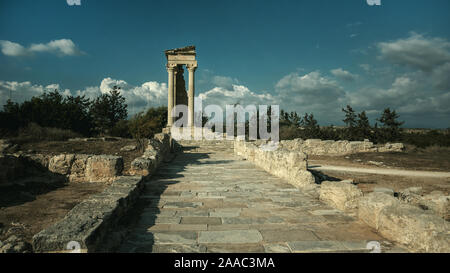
104,115
107,115
357,127
78,114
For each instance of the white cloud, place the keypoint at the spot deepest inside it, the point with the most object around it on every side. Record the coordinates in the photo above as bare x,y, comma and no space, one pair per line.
307,89
311,93
21,91
343,74
12,49
236,94
62,47
138,98
226,82
416,52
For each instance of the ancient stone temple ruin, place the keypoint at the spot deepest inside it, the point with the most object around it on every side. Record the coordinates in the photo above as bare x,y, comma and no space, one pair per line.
176,59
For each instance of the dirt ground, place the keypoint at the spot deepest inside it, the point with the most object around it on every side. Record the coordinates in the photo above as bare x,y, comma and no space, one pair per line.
413,159
435,159
85,147
367,182
47,198
28,211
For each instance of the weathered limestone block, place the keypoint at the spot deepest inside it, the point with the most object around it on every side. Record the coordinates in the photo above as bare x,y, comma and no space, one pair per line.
370,206
78,168
341,195
103,168
438,202
157,149
384,190
285,164
420,230
143,166
392,147
61,164
411,195
164,139
342,147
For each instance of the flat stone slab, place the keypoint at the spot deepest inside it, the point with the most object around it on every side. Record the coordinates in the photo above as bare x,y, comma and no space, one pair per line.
177,205
225,213
201,220
177,249
287,235
316,246
185,227
276,248
235,248
326,212
185,237
229,237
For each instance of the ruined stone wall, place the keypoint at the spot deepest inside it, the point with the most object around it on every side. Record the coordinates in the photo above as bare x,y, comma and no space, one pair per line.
76,167
285,164
93,223
331,147
417,222
157,149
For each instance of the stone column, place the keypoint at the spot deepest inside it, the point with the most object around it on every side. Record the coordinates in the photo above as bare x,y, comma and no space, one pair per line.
170,104
191,95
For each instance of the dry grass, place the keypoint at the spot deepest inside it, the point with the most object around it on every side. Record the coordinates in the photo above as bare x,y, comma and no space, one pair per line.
436,149
34,133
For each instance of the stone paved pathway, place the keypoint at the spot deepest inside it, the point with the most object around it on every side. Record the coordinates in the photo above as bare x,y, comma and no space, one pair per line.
208,200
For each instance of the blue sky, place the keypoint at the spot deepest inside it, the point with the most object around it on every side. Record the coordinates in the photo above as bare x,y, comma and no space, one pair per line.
309,56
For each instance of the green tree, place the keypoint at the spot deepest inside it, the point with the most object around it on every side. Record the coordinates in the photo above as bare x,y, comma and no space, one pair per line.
390,125
51,110
363,125
107,110
311,128
350,117
145,125
350,122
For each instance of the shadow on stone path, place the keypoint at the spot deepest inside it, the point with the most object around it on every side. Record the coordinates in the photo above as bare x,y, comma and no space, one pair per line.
208,200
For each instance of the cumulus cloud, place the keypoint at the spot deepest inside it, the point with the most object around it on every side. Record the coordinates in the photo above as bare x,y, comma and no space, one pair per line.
62,47
138,98
311,88
21,91
416,51
237,94
343,74
311,93
410,96
225,82
12,49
